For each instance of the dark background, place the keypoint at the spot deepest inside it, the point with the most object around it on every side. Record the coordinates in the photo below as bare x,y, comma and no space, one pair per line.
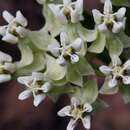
18,115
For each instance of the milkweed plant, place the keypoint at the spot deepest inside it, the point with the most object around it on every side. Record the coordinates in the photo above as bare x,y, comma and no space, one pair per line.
65,57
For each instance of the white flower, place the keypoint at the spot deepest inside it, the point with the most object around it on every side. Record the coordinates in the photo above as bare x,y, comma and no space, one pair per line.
115,72
15,28
35,86
66,49
68,11
77,112
114,22
6,67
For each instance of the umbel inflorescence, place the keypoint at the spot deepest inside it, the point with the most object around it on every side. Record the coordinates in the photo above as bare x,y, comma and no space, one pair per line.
57,59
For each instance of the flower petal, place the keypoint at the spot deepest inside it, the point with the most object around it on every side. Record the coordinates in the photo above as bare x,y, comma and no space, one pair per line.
97,16
86,122
65,111
79,6
5,57
77,44
87,107
64,39
75,102
105,69
127,65
37,75
102,27
5,78
10,67
7,16
24,95
121,13
24,79
66,2
54,49
74,58
71,125
38,99
112,83
117,26
21,31
75,17
61,60
10,38
46,87
126,80
21,19
108,7
3,30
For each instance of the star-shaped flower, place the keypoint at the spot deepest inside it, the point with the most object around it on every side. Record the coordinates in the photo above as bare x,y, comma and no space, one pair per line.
68,11
116,72
36,86
66,49
77,111
15,28
6,67
114,22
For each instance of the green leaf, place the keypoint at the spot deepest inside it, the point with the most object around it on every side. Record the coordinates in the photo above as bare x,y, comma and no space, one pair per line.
99,105
105,89
26,56
88,93
54,71
114,45
37,65
125,39
125,90
99,44
87,35
121,2
73,75
84,68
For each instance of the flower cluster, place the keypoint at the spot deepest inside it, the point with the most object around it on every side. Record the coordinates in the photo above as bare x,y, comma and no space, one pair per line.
58,60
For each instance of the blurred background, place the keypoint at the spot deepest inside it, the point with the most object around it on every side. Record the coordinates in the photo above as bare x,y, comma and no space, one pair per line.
17,115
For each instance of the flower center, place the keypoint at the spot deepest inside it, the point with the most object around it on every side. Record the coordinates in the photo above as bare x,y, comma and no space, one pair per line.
77,113
117,71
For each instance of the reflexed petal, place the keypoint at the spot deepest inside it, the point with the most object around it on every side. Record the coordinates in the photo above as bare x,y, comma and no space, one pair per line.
102,27
87,107
117,26
65,111
112,83
86,122
79,6
97,16
75,16
121,13
71,125
127,65
21,19
61,60
46,87
116,60
75,102
10,38
126,79
108,7
77,44
66,2
5,57
74,58
37,75
21,31
7,16
3,30
24,79
5,78
105,69
38,99
54,48
62,18
64,38
10,67
24,95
